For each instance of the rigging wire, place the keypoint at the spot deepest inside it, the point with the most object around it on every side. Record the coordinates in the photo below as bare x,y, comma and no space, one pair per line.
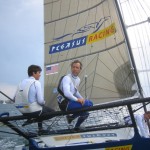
147,5
140,31
126,83
145,42
143,9
126,11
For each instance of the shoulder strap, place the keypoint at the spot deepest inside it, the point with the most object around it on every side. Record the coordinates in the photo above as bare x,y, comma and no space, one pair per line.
26,90
58,88
22,95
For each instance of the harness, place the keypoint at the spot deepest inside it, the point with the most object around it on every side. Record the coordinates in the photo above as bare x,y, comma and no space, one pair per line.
61,98
21,100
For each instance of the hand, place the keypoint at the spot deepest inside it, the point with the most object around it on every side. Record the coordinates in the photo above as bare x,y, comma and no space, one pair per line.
81,100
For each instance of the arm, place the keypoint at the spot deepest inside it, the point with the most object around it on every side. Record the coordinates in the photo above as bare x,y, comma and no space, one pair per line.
68,88
39,93
78,95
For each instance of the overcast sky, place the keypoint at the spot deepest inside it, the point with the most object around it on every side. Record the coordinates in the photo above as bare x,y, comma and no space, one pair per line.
21,40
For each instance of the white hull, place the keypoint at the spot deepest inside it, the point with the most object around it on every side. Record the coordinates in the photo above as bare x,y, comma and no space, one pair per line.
84,138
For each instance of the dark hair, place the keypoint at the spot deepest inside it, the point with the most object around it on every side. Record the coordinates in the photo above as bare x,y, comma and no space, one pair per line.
33,69
76,61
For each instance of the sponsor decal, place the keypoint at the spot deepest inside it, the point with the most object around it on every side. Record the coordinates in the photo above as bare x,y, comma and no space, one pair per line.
78,136
99,135
93,27
67,45
24,106
67,137
78,42
102,34
126,147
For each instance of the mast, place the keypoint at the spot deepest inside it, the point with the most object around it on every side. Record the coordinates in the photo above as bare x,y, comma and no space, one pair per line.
129,48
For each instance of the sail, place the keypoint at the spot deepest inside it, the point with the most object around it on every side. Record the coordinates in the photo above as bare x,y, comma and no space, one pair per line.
90,31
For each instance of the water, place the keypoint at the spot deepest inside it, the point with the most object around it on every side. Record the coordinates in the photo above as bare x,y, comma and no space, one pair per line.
9,141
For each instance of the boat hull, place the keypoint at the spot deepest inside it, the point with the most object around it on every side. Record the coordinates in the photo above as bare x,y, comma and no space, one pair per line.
136,143
112,143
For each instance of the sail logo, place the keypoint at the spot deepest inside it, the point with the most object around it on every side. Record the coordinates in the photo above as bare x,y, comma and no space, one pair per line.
68,45
95,26
89,39
102,34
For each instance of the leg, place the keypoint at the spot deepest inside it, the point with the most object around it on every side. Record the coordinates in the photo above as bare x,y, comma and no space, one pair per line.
87,103
45,110
72,105
32,116
82,116
81,119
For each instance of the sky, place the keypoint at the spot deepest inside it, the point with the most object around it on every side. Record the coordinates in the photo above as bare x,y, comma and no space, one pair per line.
21,41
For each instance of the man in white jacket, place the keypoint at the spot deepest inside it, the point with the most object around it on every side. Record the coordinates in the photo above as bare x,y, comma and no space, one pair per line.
69,97
29,97
141,121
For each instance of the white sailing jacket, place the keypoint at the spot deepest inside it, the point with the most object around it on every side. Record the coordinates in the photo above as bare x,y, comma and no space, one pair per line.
68,86
142,125
22,102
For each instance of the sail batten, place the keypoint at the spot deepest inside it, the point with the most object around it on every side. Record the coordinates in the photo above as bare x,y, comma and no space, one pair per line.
74,13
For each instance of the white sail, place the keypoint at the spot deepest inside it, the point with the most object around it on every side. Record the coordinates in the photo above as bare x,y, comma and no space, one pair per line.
88,30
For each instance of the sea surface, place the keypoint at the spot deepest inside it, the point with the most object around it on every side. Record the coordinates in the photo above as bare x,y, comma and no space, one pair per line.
9,140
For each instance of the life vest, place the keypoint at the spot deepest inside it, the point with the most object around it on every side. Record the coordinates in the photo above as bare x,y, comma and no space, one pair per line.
21,100
61,98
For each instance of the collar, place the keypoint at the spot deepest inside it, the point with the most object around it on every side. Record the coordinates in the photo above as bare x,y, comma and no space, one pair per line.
31,77
74,77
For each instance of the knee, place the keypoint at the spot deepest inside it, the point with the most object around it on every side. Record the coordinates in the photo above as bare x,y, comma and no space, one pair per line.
88,103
